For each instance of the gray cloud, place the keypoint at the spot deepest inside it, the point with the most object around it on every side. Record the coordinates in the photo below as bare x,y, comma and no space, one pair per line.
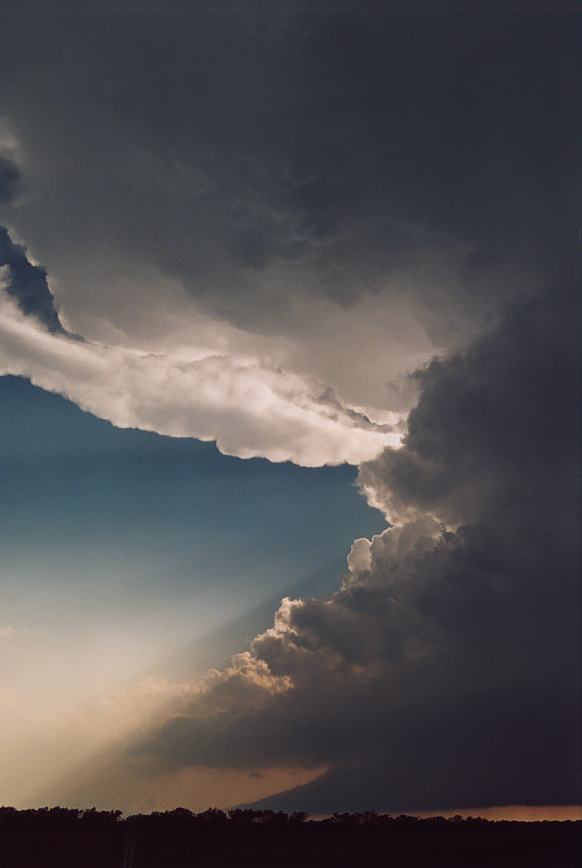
21,279
445,672
9,178
496,431
276,169
27,283
257,221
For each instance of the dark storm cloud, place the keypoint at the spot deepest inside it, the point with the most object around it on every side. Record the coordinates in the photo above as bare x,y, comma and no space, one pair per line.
27,283
258,155
456,756
446,670
496,433
269,161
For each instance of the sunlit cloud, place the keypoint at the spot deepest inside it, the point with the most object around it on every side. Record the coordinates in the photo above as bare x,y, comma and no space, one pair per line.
249,409
337,239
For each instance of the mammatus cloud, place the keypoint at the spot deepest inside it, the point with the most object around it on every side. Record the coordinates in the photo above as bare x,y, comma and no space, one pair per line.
445,671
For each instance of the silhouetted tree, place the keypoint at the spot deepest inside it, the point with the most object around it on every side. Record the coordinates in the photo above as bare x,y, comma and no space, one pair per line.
244,838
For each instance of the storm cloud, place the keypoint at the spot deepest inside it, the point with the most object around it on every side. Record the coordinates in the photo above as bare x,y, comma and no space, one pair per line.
340,194
307,235
445,671
27,284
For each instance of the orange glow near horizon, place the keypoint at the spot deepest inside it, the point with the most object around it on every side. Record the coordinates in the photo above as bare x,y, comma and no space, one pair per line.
524,813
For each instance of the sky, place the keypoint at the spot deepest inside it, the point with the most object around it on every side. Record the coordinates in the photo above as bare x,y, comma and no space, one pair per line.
289,427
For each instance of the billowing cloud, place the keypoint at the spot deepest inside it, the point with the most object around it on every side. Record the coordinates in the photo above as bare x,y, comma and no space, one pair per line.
248,408
257,224
445,671
341,195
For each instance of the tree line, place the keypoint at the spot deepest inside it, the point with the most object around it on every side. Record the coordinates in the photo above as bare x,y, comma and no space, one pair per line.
244,838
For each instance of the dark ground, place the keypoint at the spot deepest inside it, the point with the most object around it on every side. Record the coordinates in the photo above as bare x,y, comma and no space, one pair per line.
62,838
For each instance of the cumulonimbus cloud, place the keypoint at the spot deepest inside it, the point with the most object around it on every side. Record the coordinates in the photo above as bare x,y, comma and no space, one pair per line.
444,671
259,277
